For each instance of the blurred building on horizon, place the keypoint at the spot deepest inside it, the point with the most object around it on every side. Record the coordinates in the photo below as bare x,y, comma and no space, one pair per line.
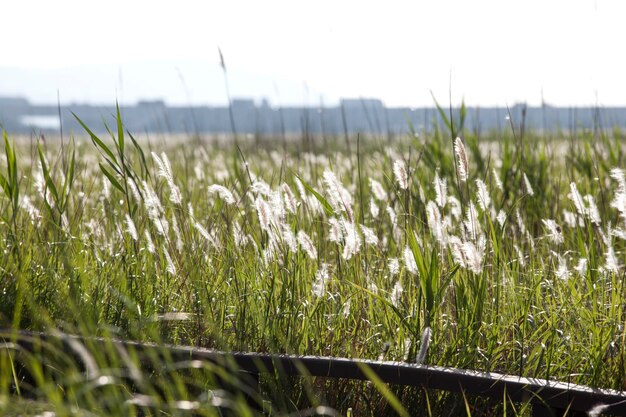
246,116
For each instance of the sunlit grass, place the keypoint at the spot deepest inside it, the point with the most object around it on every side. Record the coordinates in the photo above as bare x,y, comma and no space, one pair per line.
321,251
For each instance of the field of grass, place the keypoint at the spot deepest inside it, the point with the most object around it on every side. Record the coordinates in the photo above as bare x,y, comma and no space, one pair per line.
509,247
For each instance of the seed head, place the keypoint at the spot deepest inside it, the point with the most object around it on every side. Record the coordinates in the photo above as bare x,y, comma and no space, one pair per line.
528,189
396,294
377,190
426,337
400,172
484,200
554,231
461,156
307,244
441,190
409,261
224,193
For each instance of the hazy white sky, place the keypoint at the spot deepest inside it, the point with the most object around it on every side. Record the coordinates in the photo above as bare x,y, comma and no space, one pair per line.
492,52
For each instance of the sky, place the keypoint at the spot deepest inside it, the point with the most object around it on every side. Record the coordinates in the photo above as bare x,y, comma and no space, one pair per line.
487,52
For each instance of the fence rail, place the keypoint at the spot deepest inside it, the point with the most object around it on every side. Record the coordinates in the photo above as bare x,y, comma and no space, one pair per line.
548,398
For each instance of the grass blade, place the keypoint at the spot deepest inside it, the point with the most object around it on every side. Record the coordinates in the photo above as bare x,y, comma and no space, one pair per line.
111,177
101,145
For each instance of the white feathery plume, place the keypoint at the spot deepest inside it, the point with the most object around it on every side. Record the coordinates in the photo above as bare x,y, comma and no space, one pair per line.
561,271
223,192
289,238
611,264
374,210
130,227
377,190
461,156
396,294
197,169
269,252
456,247
106,190
577,199
441,190
471,222
276,203
65,224
618,175
155,210
205,234
484,200
527,187
592,210
501,218
554,231
260,187
392,216
307,244
33,212
606,237
497,180
149,244
151,200
520,222
569,218
314,205
202,231
409,261
335,233
134,190
619,203
474,255
291,204
165,171
321,281
581,267
264,213
406,349
394,266
346,309
455,207
435,223
171,268
338,197
620,233
401,174
300,188
530,240
352,240
369,236
426,338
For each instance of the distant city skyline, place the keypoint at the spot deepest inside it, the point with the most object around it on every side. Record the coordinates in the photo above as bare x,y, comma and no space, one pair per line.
488,52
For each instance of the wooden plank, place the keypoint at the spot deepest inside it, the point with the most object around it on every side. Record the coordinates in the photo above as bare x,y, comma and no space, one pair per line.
545,394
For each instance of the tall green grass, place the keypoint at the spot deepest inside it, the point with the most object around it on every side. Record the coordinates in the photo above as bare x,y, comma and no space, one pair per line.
115,236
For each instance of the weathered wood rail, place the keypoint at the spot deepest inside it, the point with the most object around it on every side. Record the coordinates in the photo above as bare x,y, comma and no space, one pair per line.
548,398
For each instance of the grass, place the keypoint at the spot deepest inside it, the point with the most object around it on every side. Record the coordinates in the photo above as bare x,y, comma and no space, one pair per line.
123,237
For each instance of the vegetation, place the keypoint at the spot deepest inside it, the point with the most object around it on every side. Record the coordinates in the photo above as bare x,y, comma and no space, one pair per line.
509,247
